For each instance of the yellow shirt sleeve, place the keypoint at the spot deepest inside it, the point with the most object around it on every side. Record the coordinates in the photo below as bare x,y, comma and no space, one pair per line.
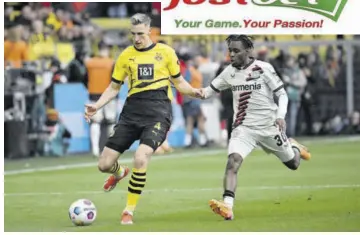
173,64
120,73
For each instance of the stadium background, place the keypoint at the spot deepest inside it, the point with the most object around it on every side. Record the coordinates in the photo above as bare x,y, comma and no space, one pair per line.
51,34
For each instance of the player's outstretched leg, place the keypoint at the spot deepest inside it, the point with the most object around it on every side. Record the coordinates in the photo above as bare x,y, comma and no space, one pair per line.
304,151
136,182
108,164
300,152
224,208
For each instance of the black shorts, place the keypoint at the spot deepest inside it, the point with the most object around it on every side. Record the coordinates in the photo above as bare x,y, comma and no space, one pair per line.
144,119
152,134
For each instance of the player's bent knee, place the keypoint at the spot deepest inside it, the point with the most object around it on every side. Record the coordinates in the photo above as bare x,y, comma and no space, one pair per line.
142,156
234,162
103,166
107,159
236,158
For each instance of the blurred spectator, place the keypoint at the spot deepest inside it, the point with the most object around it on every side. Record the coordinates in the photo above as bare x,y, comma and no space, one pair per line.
307,95
26,17
209,107
77,72
57,142
79,6
332,64
279,61
15,50
191,107
99,70
316,66
156,8
355,123
117,10
295,81
57,75
55,20
155,27
206,67
263,55
38,35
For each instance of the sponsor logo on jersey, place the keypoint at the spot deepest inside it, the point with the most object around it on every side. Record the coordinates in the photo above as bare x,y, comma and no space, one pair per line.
246,87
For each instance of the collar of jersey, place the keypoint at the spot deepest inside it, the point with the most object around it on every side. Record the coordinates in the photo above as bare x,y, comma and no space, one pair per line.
247,65
147,48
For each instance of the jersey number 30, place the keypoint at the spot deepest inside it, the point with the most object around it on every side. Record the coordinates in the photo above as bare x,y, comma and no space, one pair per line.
280,139
146,71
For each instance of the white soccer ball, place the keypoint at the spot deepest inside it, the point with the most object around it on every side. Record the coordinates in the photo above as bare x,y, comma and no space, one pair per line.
82,212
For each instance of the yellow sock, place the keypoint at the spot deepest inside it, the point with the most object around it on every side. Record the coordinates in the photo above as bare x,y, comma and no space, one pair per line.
117,170
136,184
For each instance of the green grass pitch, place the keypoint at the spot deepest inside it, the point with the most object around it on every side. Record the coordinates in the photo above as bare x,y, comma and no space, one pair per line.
322,195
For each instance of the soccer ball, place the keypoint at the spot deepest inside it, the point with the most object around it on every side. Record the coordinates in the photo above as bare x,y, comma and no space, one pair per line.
82,212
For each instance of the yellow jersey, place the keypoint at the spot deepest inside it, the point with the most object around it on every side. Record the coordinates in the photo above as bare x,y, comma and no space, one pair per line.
147,69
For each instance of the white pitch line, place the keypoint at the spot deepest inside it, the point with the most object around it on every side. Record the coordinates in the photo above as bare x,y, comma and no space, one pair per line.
127,160
169,190
176,155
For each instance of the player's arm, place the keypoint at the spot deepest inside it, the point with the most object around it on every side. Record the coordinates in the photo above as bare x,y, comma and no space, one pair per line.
282,103
183,86
110,93
217,85
282,109
277,86
175,76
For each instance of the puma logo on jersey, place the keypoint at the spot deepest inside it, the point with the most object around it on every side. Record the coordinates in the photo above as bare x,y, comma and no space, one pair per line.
246,87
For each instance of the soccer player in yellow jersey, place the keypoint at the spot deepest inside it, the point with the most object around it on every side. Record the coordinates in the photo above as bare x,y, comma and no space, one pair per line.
147,113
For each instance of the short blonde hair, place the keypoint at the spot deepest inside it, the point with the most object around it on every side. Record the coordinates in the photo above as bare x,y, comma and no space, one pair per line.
140,18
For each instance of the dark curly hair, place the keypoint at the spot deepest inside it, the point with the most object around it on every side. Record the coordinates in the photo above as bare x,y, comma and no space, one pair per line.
247,41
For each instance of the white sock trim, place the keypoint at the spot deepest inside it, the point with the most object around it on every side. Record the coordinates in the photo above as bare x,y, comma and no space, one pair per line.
229,201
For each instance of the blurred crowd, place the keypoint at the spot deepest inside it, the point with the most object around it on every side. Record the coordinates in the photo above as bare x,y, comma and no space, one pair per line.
43,24
33,29
315,83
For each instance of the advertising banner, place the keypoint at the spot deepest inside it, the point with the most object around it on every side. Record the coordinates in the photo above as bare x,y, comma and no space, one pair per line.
260,17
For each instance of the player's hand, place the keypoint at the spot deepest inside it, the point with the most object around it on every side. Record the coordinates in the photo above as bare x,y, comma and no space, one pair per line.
281,124
90,110
199,93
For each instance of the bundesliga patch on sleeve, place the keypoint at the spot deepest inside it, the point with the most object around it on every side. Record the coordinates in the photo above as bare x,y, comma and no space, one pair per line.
260,16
